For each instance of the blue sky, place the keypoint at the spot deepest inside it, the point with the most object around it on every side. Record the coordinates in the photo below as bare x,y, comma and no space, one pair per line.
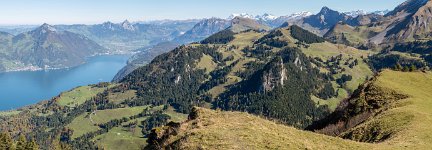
97,11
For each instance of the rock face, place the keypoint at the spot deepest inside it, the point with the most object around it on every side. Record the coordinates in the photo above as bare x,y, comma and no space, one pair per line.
409,6
326,18
275,76
417,25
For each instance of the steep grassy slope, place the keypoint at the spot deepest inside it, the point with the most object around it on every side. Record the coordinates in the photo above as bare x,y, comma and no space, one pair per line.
407,120
392,109
410,120
209,129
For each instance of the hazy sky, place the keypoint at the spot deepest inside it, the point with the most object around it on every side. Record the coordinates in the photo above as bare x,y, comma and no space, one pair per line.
97,11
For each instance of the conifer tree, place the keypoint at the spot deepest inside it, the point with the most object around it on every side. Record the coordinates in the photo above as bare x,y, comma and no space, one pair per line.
413,68
21,143
6,142
398,67
406,69
32,145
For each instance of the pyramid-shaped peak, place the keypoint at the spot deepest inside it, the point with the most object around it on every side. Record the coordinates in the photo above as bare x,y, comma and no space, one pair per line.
327,11
47,27
126,22
127,25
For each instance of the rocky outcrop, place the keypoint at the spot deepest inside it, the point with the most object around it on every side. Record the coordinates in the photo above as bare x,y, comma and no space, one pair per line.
159,137
275,76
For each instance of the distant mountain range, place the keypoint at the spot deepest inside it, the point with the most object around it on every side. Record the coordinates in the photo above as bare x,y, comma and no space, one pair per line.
319,24
45,48
408,22
125,37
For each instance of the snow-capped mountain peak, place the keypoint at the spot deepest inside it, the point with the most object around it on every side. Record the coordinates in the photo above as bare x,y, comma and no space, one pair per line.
381,12
242,15
362,12
266,17
127,25
300,14
46,28
356,13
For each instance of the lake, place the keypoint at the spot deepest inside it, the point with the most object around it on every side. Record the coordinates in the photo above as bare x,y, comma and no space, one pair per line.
19,89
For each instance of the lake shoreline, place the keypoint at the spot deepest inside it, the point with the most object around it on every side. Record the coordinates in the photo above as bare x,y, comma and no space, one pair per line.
24,88
37,68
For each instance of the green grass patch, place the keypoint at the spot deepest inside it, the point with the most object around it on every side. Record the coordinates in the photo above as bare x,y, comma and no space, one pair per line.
122,138
206,62
78,95
175,116
120,97
87,122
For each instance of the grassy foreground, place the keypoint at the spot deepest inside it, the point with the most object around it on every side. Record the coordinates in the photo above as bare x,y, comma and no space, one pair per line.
409,121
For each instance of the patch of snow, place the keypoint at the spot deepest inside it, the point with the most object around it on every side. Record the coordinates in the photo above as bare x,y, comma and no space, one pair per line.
265,17
300,14
242,15
380,12
356,13
270,17
127,26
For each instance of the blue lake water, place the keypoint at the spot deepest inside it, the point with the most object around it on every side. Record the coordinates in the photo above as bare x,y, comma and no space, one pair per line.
19,89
